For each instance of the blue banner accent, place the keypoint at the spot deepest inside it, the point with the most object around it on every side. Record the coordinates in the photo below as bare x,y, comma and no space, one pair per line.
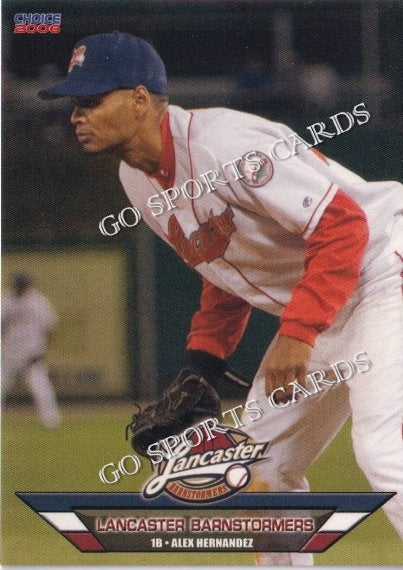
345,502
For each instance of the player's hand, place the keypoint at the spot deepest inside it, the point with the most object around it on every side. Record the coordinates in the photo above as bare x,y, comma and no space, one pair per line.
288,361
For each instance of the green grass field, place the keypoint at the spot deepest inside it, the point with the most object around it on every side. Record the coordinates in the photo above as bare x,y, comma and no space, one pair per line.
69,458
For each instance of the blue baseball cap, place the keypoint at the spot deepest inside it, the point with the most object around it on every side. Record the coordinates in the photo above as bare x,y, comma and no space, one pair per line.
105,62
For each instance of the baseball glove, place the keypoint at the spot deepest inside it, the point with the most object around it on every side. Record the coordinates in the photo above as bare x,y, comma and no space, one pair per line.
188,400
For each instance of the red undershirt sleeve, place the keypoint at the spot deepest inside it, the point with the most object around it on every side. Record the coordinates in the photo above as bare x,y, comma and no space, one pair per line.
333,259
332,266
219,324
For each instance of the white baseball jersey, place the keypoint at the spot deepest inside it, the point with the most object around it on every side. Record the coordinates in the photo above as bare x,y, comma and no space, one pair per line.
245,231
241,217
26,320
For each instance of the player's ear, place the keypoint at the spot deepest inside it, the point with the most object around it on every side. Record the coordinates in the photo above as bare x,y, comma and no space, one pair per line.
141,98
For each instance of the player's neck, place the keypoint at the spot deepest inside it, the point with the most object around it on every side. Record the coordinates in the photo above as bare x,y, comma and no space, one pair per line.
144,150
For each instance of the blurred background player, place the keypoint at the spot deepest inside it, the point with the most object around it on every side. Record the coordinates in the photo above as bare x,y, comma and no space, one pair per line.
28,320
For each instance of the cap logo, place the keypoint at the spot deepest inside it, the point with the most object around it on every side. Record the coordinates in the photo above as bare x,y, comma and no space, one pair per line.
78,57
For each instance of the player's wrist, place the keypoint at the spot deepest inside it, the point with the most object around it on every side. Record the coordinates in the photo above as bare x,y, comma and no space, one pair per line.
210,366
299,332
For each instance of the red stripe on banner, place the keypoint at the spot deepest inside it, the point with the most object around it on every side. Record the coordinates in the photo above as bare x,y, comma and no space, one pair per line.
321,541
85,541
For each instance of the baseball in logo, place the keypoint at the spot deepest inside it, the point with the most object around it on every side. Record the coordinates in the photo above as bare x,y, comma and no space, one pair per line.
256,168
208,471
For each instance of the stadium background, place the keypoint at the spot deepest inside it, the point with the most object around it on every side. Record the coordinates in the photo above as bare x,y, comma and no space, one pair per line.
125,301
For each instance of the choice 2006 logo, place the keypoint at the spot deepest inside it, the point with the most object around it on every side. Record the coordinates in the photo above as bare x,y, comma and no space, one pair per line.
35,23
211,470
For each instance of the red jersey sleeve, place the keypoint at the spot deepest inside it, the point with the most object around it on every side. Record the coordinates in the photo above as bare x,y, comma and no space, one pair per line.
332,266
219,324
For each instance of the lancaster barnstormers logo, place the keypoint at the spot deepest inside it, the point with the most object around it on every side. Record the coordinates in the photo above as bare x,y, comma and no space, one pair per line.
78,57
208,471
256,168
207,243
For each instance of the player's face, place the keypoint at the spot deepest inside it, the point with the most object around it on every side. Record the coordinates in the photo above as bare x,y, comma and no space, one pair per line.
104,123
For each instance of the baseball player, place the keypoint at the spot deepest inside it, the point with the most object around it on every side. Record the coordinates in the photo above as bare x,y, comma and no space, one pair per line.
302,238
28,319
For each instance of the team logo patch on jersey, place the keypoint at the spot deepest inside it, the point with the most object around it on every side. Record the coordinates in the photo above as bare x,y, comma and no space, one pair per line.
207,243
211,470
256,168
77,57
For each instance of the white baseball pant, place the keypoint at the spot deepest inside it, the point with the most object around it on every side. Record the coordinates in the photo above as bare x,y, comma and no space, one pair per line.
372,321
36,377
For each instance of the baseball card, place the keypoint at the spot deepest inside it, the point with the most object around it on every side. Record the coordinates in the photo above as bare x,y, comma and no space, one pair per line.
202,278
